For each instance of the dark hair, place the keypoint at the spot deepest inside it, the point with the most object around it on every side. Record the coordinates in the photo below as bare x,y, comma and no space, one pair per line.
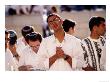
33,37
67,24
13,37
53,14
26,30
54,9
6,32
95,21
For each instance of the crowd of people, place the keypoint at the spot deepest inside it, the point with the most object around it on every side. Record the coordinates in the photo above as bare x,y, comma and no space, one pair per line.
61,51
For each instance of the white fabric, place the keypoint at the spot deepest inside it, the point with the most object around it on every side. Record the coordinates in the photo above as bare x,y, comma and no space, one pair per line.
70,46
103,53
21,45
29,57
11,64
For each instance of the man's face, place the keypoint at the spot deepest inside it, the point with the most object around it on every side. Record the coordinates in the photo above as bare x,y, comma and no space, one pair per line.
101,29
34,45
55,22
6,40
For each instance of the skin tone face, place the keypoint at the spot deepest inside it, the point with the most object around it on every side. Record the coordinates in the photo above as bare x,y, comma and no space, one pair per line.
102,29
6,40
34,45
55,22
98,31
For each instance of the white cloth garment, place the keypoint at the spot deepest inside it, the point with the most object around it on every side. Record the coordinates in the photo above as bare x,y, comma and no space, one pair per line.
11,64
70,45
95,48
21,45
29,57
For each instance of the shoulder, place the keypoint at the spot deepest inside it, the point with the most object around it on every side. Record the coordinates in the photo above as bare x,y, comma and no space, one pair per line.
26,50
73,38
8,54
19,39
83,40
48,39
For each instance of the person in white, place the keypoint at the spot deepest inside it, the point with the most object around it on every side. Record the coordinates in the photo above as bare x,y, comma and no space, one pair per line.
95,47
21,43
10,61
68,26
28,61
60,51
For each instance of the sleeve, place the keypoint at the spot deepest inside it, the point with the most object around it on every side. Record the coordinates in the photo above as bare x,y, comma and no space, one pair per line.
21,60
85,52
103,60
43,60
79,57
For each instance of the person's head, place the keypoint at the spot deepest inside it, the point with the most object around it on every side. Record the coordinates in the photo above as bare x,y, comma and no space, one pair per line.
34,39
26,30
13,37
97,25
54,22
7,38
68,26
53,9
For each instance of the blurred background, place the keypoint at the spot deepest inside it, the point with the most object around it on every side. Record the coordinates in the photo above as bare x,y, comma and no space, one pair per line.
17,16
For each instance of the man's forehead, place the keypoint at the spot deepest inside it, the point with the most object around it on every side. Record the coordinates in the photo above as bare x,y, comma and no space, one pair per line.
55,16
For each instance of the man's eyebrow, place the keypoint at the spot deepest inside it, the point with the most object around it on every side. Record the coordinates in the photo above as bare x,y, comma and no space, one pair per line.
53,19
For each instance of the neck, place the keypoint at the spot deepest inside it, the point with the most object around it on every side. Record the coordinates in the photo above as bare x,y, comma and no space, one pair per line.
60,35
69,33
94,36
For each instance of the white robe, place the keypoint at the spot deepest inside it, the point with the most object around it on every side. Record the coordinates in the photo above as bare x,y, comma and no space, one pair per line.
11,64
70,45
29,57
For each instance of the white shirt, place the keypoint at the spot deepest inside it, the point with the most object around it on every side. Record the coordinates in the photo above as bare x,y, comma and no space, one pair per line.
21,45
70,46
11,64
94,60
29,57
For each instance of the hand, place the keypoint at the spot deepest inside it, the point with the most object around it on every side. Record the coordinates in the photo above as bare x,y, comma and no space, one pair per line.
25,68
68,59
88,68
59,52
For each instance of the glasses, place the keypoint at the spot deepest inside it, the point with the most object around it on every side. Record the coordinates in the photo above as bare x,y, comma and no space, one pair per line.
54,20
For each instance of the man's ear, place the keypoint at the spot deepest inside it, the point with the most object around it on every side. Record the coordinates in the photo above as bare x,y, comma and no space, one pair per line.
94,28
71,28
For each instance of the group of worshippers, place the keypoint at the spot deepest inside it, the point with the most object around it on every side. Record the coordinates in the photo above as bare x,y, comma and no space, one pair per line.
61,51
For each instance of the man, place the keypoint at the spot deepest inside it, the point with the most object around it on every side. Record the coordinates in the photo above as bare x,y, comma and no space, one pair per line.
21,43
12,44
68,26
10,63
29,60
60,51
95,56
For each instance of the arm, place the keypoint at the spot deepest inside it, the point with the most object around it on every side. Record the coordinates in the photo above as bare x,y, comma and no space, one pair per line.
59,54
25,68
68,59
52,60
